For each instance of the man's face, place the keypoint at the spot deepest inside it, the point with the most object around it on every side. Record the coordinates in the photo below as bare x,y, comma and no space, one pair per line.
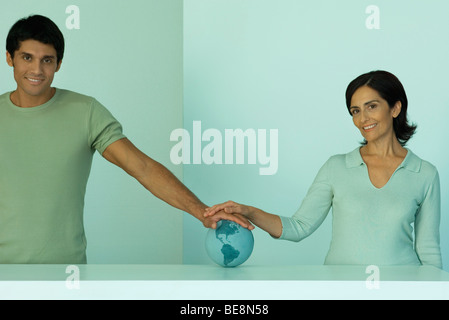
35,64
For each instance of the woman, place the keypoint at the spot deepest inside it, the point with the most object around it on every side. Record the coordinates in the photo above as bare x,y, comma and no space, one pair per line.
385,200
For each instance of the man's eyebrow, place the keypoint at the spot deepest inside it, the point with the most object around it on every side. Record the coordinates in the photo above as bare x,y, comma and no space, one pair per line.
30,54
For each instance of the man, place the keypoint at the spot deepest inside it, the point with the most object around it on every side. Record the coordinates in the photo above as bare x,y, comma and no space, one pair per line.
47,140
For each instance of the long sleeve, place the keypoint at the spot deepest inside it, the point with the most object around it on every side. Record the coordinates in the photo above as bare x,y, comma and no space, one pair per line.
313,210
427,223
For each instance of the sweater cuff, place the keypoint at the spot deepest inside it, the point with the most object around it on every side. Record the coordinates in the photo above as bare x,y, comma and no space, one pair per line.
288,231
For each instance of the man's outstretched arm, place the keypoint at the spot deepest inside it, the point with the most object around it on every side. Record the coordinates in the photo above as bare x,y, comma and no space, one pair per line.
157,179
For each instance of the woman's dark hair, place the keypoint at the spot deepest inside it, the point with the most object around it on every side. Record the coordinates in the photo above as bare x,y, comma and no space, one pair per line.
390,89
37,28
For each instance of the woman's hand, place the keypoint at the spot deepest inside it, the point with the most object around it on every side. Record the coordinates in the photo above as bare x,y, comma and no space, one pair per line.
230,207
266,221
211,217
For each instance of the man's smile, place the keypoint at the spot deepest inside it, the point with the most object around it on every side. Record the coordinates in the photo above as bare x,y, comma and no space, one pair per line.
34,80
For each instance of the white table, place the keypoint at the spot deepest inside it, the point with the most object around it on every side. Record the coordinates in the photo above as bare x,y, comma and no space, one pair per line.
205,282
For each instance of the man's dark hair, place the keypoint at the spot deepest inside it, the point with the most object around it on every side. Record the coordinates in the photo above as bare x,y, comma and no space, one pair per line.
39,28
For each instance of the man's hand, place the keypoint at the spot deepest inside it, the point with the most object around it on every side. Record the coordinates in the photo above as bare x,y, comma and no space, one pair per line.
268,222
230,207
211,221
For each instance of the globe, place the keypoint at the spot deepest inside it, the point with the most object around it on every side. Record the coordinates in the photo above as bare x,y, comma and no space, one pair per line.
229,245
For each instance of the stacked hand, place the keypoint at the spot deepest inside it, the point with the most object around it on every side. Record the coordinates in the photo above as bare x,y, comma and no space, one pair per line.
227,211
246,216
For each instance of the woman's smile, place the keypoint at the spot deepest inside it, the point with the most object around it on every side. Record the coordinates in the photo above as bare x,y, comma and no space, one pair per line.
370,127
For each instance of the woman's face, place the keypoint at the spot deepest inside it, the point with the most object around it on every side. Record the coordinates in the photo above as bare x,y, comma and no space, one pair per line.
372,115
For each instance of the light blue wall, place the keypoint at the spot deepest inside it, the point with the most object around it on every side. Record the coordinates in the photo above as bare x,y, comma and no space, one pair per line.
285,65
128,55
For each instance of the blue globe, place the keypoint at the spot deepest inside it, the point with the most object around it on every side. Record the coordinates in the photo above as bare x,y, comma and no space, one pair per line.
229,245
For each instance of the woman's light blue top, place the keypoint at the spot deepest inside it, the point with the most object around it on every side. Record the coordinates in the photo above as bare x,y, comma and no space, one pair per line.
397,224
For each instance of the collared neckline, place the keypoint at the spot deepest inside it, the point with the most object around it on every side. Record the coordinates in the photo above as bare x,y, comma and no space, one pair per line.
411,161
